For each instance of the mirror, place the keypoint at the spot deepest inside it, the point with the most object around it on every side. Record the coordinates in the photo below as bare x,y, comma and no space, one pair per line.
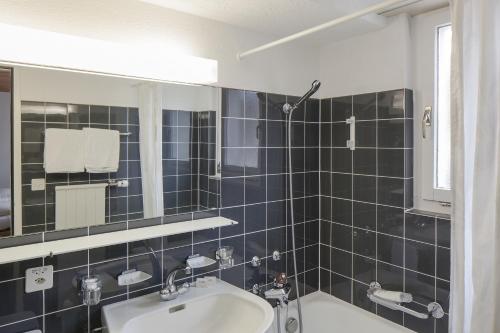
92,150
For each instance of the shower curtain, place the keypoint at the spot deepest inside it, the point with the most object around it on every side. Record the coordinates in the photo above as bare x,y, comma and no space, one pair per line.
150,127
475,98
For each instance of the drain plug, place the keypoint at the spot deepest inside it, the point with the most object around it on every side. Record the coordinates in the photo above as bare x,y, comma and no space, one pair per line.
291,325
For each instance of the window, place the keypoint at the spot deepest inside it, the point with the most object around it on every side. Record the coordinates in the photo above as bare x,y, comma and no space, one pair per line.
431,41
442,135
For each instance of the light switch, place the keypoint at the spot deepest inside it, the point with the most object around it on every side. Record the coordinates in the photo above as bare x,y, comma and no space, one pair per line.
38,184
39,278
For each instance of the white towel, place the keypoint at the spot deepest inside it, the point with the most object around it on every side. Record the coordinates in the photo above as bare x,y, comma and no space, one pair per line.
102,150
64,151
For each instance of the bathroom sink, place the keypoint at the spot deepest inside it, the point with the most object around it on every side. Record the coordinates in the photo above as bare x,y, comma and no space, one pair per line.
220,308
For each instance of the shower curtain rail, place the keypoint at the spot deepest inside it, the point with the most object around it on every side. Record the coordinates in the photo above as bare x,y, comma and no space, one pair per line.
334,22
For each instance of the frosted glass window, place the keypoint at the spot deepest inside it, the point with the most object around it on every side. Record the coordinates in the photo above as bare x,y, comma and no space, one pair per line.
442,144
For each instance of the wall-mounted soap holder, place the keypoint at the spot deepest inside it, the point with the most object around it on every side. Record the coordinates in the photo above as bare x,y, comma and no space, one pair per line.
197,261
132,276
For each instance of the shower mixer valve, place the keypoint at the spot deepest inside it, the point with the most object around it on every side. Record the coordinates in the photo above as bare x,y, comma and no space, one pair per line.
280,290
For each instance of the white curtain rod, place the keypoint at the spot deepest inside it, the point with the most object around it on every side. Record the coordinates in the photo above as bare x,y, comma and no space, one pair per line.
363,12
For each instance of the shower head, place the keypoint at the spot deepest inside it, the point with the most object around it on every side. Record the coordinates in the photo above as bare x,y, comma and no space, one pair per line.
287,108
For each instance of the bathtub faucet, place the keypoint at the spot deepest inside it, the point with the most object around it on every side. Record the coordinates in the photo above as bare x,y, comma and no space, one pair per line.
280,291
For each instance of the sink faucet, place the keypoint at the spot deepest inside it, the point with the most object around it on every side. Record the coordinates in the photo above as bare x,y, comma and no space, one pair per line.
171,291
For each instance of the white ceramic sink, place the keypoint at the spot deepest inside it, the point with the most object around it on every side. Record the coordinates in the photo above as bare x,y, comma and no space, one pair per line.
222,308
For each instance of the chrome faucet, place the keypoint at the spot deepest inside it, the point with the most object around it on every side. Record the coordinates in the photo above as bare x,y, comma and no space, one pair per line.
280,290
171,291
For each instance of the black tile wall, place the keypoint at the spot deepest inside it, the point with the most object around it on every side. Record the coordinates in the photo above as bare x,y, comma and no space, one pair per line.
122,204
254,192
254,185
366,232
188,149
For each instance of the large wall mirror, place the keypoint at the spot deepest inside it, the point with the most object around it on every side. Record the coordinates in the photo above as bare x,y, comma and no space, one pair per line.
89,150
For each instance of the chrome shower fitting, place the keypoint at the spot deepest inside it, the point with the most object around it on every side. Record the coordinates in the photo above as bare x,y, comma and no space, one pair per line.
287,108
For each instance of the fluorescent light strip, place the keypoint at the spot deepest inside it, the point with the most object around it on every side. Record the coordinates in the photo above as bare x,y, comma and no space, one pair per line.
38,48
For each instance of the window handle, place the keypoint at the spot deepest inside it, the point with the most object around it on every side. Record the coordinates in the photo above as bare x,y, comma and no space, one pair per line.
426,120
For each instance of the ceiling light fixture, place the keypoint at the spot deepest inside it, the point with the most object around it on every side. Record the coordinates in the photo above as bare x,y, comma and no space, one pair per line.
39,48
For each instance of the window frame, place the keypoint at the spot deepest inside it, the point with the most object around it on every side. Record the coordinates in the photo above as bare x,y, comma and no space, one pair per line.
426,196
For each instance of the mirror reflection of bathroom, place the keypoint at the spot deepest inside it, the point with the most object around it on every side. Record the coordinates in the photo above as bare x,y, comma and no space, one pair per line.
100,149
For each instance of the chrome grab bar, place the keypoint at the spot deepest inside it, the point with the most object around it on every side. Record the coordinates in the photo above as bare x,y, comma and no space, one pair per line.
434,309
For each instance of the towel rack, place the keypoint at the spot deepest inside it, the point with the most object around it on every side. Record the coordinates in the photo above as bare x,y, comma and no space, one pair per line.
434,309
121,134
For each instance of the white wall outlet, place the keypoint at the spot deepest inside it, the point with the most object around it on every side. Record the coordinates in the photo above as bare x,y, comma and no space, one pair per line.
38,184
39,278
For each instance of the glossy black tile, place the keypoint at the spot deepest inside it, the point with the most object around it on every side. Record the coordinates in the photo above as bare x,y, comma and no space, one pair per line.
68,321
391,162
365,189
276,160
364,216
341,237
342,211
65,294
420,228
391,191
107,253
276,187
21,305
366,134
326,135
255,189
233,103
364,269
391,134
234,275
326,110
364,243
365,106
420,286
236,188
390,277
420,257
342,185
443,232
390,220
443,263
32,111
340,134
341,160
390,249
341,287
255,245
364,161
341,262
326,208
341,108
391,104
275,104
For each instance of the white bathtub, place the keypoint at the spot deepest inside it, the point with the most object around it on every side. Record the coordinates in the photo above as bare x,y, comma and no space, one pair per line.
323,313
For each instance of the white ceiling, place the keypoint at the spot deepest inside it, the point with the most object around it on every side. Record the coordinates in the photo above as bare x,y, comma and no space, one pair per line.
283,17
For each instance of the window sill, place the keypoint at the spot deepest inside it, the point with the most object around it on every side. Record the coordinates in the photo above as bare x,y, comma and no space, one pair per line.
428,213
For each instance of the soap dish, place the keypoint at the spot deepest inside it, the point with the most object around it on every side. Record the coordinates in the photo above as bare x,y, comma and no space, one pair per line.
197,261
132,276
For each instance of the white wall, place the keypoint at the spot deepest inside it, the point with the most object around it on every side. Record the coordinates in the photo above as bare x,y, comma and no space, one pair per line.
288,69
371,62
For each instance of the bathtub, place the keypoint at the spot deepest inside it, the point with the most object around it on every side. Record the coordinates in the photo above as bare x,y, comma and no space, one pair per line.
323,313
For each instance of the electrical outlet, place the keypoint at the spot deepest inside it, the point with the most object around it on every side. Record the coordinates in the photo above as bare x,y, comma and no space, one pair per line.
39,278
38,184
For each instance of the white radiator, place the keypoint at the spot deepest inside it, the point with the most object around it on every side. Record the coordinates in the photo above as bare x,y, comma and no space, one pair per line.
80,205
